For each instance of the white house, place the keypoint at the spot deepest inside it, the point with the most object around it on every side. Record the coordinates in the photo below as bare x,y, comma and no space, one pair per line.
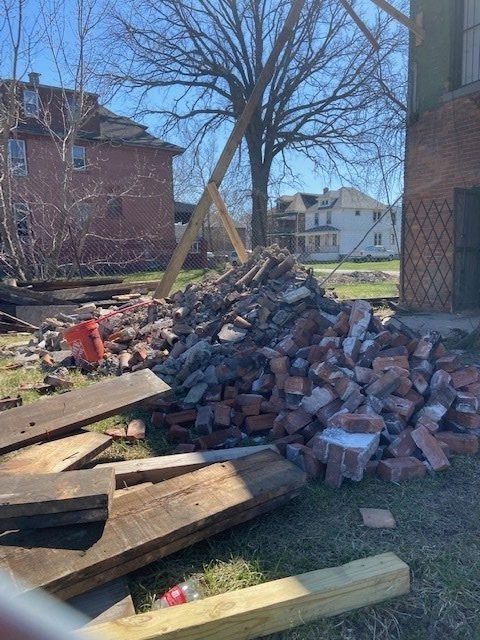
332,224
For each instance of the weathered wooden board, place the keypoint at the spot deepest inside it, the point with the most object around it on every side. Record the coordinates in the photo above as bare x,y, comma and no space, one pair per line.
108,602
50,285
268,608
54,416
22,295
47,521
87,294
131,472
147,524
50,493
66,454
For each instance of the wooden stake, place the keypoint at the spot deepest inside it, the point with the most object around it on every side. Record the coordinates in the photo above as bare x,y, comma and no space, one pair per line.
268,608
191,232
228,223
360,24
415,28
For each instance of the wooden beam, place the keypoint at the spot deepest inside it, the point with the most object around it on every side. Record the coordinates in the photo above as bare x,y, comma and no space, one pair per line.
227,221
236,135
132,472
108,602
69,453
415,28
268,608
360,24
147,524
52,417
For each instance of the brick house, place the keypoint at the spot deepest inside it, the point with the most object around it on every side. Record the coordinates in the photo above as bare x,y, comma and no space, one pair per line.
121,190
441,239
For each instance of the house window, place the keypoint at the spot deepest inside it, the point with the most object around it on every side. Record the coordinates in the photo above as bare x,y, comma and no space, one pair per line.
471,42
334,239
17,157
316,219
83,213
195,247
114,208
73,104
377,215
79,157
377,239
329,217
392,239
317,242
30,103
357,213
21,212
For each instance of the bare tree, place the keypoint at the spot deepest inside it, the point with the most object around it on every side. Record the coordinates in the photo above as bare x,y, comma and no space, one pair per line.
198,62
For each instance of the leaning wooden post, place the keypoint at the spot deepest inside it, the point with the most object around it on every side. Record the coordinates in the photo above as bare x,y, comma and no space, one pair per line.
191,232
227,221
415,28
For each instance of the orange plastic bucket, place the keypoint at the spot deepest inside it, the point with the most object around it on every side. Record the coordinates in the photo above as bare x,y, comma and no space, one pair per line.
85,341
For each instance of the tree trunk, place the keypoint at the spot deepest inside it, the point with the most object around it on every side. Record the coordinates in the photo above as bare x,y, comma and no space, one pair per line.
259,205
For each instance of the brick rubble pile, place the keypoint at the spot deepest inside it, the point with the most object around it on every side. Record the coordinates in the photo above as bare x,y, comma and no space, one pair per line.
262,354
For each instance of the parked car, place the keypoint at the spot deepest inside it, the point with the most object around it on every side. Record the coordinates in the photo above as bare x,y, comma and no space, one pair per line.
375,252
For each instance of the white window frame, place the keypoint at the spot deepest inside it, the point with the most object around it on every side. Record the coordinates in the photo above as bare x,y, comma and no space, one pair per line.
377,239
334,239
15,168
316,220
471,42
28,103
329,217
83,157
22,212
377,215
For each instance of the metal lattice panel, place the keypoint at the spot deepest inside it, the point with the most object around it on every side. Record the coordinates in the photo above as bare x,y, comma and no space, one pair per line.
428,253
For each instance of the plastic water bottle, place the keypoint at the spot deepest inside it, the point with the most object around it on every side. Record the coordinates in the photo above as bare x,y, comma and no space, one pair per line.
179,594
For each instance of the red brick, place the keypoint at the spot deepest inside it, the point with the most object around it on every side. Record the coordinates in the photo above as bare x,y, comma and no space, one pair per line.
419,382
404,386
357,423
218,438
222,415
296,420
448,362
259,423
250,403
299,367
298,385
333,472
184,448
417,398
359,320
326,372
315,354
463,443
464,377
383,363
403,445
280,379
230,393
423,350
429,424
401,406
281,443
440,379
384,386
467,402
177,433
280,365
364,375
399,469
181,417
468,420
430,448
287,346
303,457
264,383
118,432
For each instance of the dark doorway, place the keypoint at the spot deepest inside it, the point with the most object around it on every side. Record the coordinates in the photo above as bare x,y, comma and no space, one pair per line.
466,294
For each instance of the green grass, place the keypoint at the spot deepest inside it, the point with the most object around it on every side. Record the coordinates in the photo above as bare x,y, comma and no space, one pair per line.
365,290
393,265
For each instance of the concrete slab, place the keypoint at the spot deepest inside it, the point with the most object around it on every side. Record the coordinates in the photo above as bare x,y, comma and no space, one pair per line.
444,323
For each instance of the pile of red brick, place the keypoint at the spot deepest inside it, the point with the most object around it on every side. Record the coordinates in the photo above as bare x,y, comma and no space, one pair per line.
341,396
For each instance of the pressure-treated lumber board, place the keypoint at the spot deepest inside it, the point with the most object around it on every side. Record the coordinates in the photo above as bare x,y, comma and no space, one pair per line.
228,152
227,221
268,608
65,454
108,602
147,524
52,417
51,493
131,472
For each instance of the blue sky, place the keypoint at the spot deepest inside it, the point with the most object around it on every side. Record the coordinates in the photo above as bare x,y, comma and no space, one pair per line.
312,179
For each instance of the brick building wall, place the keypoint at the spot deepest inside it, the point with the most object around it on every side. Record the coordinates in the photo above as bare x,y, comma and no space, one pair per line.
443,153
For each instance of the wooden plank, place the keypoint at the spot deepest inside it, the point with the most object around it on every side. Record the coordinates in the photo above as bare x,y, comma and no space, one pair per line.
54,416
21,295
51,285
48,493
227,221
26,325
131,472
268,608
415,28
360,24
87,294
234,139
47,521
108,602
66,454
135,487
146,523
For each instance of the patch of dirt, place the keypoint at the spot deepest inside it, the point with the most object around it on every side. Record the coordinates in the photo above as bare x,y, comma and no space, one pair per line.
362,277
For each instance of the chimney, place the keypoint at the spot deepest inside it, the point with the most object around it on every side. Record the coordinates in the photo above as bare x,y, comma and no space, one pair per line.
326,189
34,78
